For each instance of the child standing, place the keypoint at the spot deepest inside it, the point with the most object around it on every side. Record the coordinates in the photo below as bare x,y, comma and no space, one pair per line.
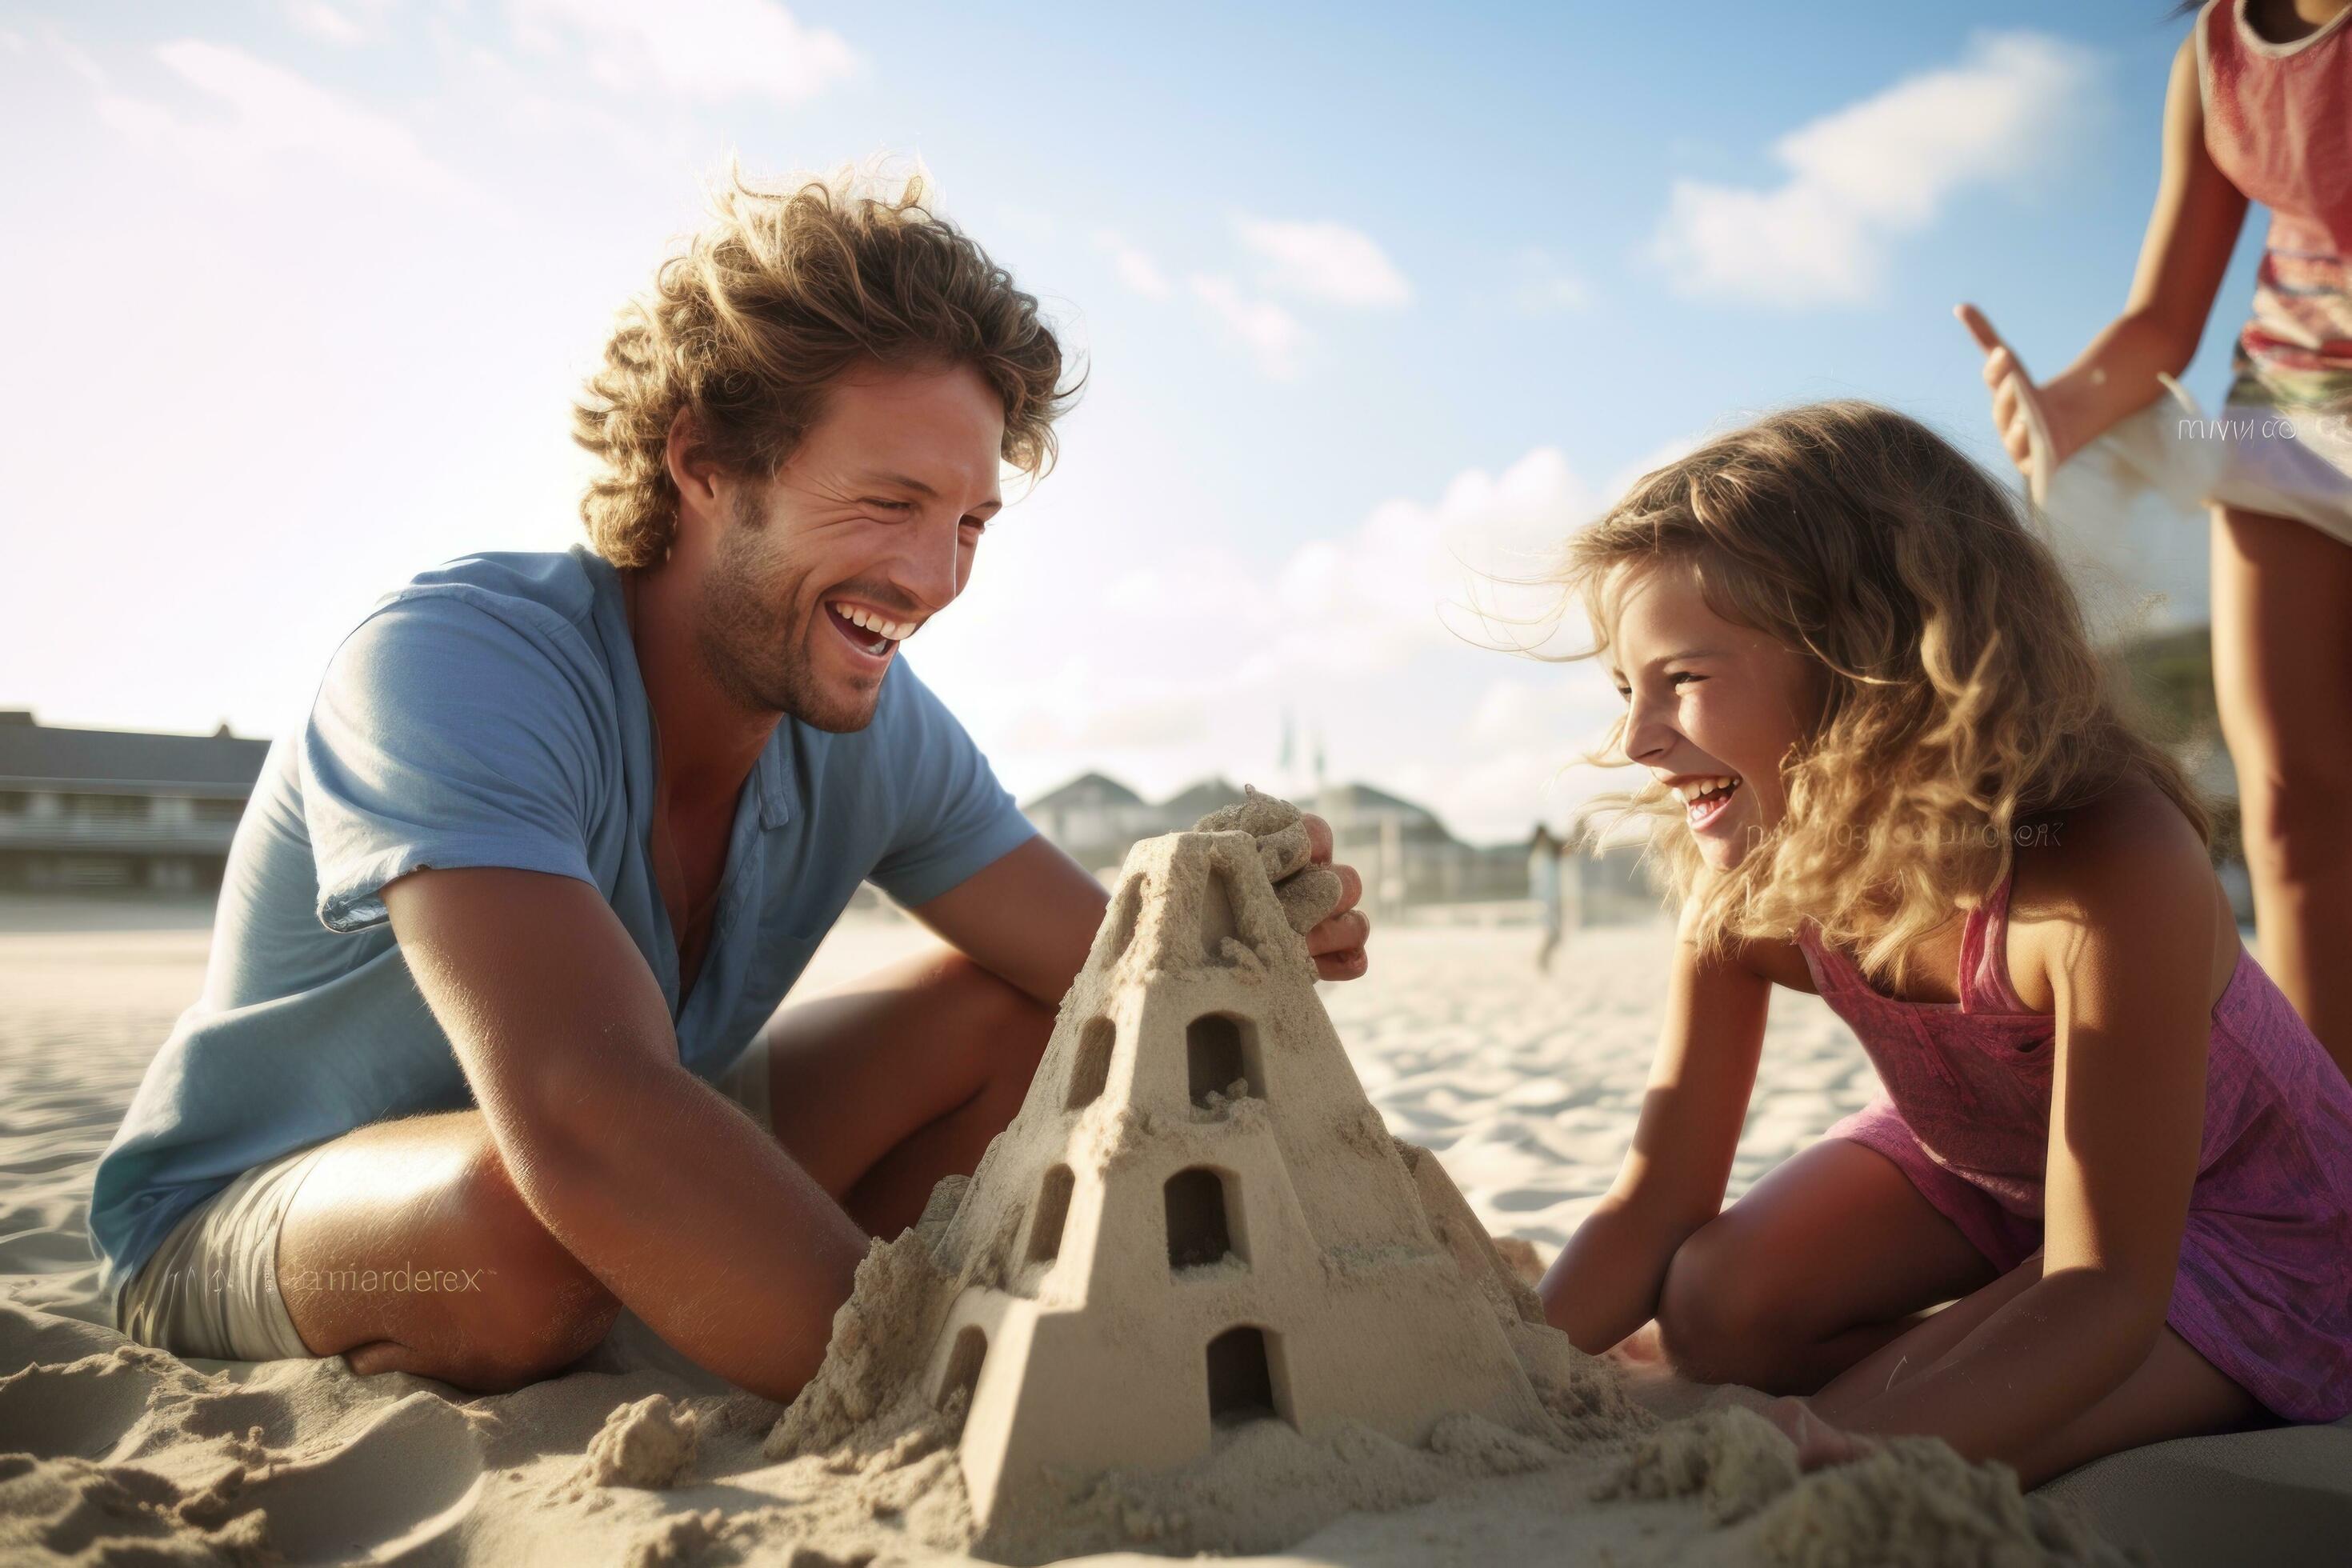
1544,873
2260,109
1889,771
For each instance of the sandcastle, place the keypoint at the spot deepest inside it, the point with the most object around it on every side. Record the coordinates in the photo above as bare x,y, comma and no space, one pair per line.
1196,1221
1207,1214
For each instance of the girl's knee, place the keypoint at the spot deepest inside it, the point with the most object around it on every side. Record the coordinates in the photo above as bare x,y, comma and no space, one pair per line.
1722,1315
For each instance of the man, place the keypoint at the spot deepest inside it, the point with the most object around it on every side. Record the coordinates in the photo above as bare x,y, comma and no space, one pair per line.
470,1071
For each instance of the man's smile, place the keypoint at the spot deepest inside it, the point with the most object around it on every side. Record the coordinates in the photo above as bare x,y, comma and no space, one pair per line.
868,631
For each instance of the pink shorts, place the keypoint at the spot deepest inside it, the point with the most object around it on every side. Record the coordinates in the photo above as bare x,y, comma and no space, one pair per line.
2210,1300
2006,1239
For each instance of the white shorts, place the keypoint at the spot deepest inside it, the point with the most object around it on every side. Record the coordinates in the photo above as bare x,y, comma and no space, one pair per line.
2289,463
210,1289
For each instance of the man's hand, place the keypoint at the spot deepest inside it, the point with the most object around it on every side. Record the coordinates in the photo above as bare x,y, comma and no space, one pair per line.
1317,898
1337,941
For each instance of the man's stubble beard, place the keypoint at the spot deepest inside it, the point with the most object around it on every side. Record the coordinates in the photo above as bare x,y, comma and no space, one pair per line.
756,651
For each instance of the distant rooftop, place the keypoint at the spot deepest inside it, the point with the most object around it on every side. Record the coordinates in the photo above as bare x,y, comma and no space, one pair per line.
1089,789
34,755
1208,795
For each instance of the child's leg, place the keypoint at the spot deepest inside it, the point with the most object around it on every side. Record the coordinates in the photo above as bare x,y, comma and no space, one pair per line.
2283,679
2175,1393
1830,1256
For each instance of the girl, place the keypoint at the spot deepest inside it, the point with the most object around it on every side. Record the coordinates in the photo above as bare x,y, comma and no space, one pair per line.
2260,108
1890,773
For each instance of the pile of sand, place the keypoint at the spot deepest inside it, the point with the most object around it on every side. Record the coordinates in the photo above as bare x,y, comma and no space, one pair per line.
1264,1486
890,1414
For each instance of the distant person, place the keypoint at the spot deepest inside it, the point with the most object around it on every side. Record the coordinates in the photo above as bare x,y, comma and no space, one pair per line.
1884,767
1543,887
2260,110
486,1050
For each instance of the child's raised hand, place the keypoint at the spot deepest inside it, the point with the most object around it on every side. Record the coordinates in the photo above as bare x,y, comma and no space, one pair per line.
2019,415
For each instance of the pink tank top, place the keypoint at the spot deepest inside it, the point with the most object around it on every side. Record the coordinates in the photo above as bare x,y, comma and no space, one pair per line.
2278,124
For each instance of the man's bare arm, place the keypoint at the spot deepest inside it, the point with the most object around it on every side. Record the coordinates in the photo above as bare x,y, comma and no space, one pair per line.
684,1208
1027,918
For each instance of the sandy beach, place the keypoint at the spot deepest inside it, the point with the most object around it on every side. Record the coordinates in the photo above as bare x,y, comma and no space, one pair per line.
1525,1086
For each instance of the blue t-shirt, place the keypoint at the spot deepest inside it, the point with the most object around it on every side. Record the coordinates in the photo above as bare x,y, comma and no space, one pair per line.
490,714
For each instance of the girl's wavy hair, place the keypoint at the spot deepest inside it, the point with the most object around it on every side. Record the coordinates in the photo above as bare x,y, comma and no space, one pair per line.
1959,692
786,288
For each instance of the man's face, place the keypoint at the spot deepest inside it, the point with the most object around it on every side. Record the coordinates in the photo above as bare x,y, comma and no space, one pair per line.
814,580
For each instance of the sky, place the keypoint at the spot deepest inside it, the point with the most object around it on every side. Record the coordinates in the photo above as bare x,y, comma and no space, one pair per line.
1375,303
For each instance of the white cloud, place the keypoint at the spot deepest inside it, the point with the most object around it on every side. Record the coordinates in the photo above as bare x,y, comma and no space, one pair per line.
1508,711
1864,175
1134,265
1186,659
1410,578
1088,714
272,114
705,50
1272,334
322,21
1545,287
1326,261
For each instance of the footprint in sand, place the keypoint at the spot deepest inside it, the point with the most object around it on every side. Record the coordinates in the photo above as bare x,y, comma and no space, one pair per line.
339,1509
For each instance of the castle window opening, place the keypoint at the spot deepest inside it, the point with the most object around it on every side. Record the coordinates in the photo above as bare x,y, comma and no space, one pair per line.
1052,1214
1217,1056
1200,1231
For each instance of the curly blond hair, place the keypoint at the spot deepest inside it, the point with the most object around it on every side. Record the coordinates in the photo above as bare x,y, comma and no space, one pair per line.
1962,696
784,288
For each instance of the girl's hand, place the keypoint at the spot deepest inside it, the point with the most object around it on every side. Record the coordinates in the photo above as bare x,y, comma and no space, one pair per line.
1818,1443
2021,412
1639,1351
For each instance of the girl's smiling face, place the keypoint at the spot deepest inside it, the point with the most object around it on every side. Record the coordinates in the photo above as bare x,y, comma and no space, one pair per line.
1712,709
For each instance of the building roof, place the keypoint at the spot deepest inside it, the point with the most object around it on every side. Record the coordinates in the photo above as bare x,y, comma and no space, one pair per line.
1086,789
1363,799
1196,802
103,762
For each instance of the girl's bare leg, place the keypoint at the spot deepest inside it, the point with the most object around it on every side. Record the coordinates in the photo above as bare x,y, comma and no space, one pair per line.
2283,679
2175,1393
1832,1253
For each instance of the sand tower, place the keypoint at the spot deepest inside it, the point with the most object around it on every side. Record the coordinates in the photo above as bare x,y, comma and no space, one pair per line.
1198,1217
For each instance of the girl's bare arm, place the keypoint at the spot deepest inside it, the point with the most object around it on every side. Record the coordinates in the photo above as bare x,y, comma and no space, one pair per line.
2190,234
1606,1282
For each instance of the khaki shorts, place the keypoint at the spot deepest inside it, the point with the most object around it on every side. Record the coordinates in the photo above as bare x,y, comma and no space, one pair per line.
211,1288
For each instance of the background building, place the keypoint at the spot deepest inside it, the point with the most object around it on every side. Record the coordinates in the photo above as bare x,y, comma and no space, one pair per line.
93,809
1407,856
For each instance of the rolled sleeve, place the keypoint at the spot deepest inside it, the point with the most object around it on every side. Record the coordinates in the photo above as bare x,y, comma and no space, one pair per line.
444,735
953,817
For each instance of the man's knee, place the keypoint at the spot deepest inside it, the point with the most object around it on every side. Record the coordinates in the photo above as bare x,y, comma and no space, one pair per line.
1010,1027
527,1308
